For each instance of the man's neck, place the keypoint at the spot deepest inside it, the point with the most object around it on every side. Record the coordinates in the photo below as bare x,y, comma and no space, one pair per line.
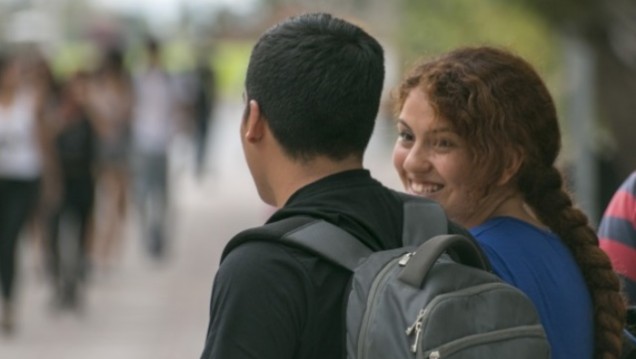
292,176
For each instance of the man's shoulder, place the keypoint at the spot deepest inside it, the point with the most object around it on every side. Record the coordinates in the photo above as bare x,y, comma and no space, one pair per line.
268,233
259,254
262,260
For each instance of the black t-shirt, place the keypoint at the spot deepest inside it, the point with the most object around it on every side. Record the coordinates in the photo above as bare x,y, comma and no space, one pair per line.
273,301
75,146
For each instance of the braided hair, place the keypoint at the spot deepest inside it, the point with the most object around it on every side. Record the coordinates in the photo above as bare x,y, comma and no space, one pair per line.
499,105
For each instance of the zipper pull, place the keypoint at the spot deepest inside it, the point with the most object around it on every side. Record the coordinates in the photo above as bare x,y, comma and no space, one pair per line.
417,327
405,259
418,331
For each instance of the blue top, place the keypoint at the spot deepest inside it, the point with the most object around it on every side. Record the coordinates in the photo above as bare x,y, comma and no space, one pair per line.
538,263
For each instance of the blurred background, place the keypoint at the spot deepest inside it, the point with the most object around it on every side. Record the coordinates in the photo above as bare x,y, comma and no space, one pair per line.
110,278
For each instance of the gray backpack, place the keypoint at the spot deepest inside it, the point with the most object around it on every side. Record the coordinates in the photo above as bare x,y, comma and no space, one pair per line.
432,298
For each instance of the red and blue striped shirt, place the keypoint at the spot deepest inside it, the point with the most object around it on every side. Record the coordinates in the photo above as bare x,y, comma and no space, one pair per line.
617,235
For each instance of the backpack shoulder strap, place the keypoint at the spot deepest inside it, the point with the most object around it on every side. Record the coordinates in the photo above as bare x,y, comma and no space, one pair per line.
329,241
423,219
268,232
314,235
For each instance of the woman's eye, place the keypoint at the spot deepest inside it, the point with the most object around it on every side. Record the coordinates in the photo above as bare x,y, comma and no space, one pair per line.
443,143
405,136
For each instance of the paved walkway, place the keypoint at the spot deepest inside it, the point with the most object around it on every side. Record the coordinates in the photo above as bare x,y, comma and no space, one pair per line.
141,309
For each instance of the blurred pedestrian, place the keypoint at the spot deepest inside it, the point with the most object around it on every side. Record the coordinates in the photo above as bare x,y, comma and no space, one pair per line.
156,111
202,112
71,219
24,150
38,77
110,102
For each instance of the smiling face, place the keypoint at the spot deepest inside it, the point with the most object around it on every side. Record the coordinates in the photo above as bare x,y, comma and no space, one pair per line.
433,161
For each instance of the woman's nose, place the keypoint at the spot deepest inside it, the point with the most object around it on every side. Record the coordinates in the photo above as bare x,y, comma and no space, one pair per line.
417,160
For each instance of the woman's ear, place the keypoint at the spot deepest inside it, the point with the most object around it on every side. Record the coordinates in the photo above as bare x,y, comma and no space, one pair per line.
513,163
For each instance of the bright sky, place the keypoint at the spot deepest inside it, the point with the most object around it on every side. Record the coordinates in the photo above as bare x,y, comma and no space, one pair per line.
168,9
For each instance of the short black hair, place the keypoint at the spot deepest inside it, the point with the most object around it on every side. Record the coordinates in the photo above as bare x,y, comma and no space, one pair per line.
318,81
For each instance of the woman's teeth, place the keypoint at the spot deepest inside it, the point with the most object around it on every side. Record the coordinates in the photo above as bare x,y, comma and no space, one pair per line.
424,189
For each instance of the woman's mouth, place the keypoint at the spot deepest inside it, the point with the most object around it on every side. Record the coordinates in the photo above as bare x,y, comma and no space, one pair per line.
424,189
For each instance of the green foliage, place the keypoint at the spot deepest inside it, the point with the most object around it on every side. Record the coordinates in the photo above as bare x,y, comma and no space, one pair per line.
230,63
434,26
178,55
569,15
431,27
73,56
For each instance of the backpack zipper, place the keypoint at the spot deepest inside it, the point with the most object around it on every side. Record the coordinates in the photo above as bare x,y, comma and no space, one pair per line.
417,327
423,314
405,258
375,288
450,348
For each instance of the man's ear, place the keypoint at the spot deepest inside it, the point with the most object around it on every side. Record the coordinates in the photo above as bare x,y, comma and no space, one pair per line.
254,123
513,164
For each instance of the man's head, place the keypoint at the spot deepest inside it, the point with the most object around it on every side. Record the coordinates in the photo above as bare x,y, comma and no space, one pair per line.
317,81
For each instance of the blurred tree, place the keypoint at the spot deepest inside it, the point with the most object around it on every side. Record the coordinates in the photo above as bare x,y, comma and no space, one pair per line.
430,27
608,29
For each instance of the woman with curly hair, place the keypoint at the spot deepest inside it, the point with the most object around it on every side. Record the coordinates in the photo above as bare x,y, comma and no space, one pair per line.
478,132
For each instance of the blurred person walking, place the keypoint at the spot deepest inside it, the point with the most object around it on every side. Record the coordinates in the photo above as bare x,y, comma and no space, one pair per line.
38,76
110,103
71,220
202,105
23,157
156,112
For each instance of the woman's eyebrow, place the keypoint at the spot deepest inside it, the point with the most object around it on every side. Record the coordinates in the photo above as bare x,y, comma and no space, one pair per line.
403,123
433,131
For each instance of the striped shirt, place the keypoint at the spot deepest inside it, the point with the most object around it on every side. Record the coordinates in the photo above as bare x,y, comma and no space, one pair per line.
617,235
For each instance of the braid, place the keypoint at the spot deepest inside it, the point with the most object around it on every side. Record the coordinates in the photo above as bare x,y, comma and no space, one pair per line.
543,191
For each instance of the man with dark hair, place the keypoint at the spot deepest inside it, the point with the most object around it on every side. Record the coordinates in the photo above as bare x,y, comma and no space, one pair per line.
312,95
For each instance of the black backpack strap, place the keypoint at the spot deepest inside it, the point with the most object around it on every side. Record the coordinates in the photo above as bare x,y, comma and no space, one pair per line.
423,219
